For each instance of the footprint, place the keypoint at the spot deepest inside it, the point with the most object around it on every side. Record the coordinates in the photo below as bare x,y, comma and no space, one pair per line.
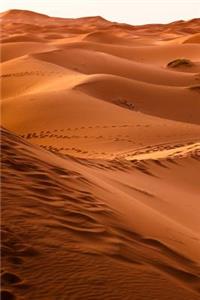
28,251
10,278
16,260
6,295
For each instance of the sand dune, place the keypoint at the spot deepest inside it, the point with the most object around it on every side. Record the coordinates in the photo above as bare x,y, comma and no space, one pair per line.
107,37
100,159
22,38
90,62
193,39
160,55
72,220
160,98
15,50
18,79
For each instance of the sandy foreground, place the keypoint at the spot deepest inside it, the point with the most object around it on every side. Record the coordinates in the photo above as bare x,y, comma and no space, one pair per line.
100,159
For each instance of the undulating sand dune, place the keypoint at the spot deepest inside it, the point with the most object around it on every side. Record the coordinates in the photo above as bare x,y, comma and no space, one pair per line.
100,159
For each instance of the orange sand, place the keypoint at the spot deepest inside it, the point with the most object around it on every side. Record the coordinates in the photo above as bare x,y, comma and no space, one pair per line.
100,159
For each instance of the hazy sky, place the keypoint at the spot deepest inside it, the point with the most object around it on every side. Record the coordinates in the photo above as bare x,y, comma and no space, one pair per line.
128,11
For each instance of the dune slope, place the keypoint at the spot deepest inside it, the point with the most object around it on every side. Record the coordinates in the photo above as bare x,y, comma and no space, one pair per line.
61,211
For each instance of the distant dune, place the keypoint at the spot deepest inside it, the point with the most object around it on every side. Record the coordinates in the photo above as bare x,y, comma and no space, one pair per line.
100,159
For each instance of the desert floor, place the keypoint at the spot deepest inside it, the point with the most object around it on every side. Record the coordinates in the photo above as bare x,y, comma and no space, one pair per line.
100,159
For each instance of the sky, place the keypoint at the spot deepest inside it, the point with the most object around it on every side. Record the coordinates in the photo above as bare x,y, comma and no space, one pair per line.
125,11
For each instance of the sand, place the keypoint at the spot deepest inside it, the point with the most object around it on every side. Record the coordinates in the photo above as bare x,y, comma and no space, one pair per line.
100,159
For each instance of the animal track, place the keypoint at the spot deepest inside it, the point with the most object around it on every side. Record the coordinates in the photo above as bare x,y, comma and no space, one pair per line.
32,73
54,134
73,149
48,132
158,147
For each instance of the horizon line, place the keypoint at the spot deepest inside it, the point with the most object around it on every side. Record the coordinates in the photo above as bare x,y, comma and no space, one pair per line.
95,16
